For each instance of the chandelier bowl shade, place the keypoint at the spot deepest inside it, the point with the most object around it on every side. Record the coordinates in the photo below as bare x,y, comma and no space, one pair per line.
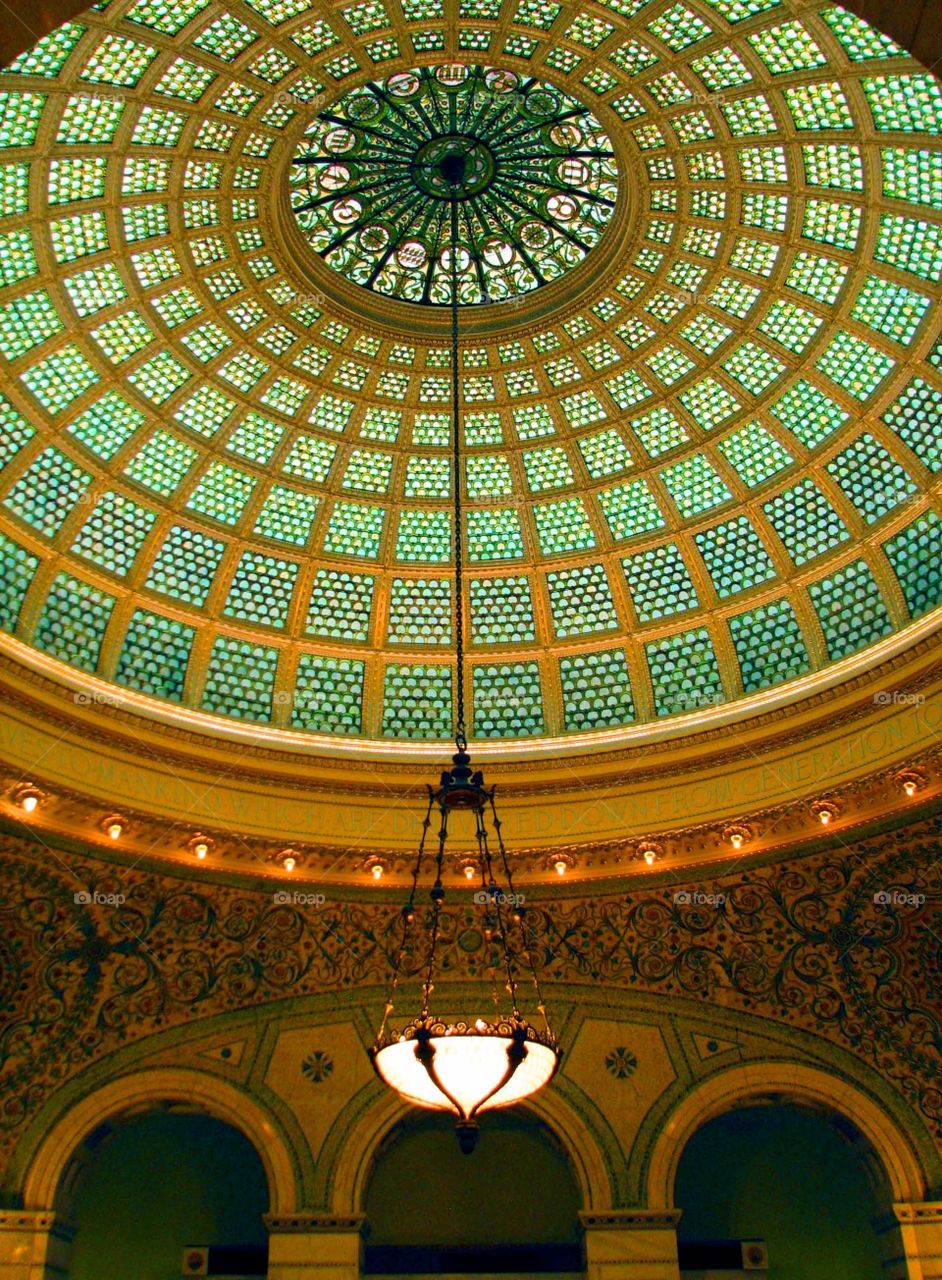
466,1067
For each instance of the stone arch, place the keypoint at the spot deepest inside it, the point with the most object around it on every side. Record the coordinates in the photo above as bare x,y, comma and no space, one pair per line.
141,1090
368,1131
792,1082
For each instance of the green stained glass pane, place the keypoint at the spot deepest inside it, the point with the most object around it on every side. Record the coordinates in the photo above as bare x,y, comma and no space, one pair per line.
832,222
596,690
805,521
355,530
507,700
890,308
49,55
166,16
912,174
72,624
630,510
185,565
494,535
87,119
310,459
911,244
859,39
855,365
222,493
916,556
429,476
708,402
808,413
660,582
27,321
547,469
501,611
107,425
769,645
755,454
47,491
261,590
424,535
915,417
850,609
685,675
341,605
909,102
328,695
659,432
59,379
240,679
114,532
581,601
605,453
420,611
17,566
15,432
96,288
735,556
417,701
19,118
563,527
155,654
287,515
118,61
871,478
695,485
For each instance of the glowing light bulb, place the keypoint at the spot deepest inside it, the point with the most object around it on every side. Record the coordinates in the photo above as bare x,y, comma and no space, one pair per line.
114,830
469,872
376,871
736,840
201,849
650,857
29,803
561,868
289,863
480,1025
909,787
825,817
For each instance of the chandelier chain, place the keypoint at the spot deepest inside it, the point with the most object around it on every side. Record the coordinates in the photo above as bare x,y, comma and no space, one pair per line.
524,928
461,740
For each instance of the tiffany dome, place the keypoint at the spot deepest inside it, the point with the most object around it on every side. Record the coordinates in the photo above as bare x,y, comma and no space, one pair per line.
700,384
529,169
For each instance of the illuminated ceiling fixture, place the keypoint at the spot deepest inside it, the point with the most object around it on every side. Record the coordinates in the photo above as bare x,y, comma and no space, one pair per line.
474,1064
370,193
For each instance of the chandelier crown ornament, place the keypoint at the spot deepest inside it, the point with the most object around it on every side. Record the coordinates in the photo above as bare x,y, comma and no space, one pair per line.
465,1065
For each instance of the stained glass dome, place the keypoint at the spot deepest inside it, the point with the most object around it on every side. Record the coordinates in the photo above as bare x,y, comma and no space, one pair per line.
371,192
705,470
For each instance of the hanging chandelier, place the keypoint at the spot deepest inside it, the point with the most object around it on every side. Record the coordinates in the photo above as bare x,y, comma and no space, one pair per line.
470,1065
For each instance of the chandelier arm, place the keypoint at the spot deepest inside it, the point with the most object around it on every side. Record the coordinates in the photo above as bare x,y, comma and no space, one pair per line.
437,896
501,927
524,927
461,740
516,1053
407,917
487,930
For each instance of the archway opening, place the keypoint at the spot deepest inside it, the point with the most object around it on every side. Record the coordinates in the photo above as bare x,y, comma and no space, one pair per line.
147,1194
513,1207
798,1185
